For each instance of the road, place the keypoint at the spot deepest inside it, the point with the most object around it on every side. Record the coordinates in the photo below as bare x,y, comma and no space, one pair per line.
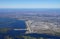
28,28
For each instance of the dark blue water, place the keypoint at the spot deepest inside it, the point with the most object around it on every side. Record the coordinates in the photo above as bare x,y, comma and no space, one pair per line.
12,23
42,35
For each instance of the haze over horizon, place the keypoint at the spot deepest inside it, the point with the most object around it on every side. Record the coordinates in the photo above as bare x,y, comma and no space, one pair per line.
29,3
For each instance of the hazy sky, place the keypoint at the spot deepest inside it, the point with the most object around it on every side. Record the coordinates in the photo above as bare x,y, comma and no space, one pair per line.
29,3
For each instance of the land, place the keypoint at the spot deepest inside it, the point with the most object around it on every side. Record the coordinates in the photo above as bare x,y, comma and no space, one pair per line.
45,21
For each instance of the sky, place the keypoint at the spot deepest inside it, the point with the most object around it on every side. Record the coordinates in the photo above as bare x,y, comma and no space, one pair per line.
29,3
